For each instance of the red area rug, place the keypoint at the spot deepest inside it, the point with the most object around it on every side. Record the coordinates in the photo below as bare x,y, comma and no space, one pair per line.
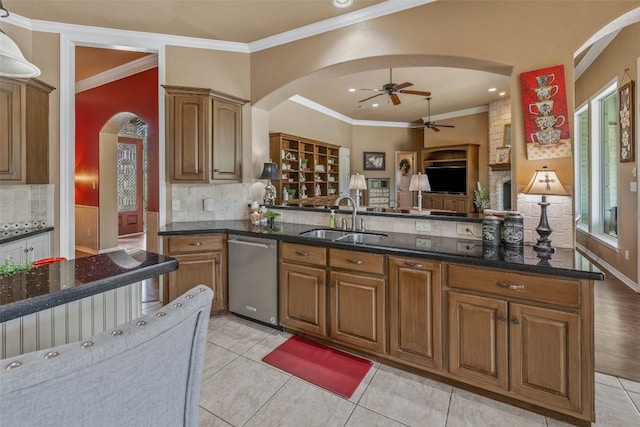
331,369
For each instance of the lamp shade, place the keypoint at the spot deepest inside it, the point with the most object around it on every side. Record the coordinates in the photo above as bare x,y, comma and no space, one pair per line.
545,182
12,62
357,182
270,171
419,182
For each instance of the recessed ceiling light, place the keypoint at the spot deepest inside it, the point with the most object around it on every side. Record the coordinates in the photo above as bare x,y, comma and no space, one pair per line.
503,93
492,89
352,89
374,105
342,3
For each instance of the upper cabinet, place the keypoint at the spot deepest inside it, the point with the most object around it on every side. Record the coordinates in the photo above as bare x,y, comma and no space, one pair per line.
24,131
204,136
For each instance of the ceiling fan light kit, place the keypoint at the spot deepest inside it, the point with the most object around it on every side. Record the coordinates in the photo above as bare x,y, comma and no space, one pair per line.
393,89
342,3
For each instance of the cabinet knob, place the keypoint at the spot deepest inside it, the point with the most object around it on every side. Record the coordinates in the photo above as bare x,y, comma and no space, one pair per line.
502,318
515,321
30,249
355,261
196,243
331,284
26,251
302,253
216,170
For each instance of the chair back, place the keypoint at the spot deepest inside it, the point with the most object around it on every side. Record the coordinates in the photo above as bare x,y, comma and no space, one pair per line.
143,373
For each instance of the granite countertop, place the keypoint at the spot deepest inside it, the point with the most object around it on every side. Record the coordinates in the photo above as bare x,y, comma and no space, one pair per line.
7,236
564,263
51,285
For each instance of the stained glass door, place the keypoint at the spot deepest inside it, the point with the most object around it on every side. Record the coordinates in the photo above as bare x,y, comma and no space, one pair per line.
130,188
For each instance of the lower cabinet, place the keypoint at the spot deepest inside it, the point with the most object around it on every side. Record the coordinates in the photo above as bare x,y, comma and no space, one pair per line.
303,298
499,341
525,336
349,308
415,320
29,249
201,261
357,310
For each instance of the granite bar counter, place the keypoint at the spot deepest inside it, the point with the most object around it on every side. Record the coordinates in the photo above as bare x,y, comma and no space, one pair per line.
59,283
564,263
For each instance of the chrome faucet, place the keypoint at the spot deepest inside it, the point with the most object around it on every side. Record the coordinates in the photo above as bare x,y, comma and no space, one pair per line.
353,214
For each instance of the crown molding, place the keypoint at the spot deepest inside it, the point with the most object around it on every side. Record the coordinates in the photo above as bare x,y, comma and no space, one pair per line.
331,113
98,35
458,113
117,73
381,9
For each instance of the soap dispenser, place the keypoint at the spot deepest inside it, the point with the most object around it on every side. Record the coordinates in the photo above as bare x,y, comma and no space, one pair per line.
332,219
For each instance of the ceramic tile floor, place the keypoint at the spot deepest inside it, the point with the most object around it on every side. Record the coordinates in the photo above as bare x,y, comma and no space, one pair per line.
238,389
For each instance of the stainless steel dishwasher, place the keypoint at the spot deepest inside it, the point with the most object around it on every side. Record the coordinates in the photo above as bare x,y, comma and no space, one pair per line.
253,278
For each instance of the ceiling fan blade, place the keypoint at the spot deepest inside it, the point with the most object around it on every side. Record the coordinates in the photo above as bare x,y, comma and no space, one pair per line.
366,99
394,98
445,126
434,128
416,92
403,85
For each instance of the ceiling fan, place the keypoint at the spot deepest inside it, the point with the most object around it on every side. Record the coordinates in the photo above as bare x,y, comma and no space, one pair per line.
433,125
393,90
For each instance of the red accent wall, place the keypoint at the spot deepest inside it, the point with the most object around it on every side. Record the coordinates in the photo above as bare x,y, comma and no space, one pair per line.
137,94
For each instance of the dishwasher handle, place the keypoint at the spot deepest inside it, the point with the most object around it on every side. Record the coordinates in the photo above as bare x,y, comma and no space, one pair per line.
244,242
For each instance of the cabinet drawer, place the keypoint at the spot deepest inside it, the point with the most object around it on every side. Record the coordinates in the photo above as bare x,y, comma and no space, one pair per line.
303,253
193,244
358,261
542,289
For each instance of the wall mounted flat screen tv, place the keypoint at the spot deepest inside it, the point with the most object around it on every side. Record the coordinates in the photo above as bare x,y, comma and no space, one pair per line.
447,179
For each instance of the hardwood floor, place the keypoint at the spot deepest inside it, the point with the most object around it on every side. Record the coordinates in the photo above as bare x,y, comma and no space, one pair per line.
617,329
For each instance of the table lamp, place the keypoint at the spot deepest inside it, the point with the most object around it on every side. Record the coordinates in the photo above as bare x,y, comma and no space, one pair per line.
546,183
419,183
269,172
357,183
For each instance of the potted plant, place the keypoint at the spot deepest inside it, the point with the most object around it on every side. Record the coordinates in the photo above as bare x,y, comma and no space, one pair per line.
480,199
271,218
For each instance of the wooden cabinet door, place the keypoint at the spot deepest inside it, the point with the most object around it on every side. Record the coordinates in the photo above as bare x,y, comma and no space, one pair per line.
303,298
357,311
11,155
415,311
455,204
199,270
478,340
545,362
433,202
227,141
187,137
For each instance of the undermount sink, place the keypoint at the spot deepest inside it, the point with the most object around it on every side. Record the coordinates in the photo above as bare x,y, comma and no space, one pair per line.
323,234
361,237
344,236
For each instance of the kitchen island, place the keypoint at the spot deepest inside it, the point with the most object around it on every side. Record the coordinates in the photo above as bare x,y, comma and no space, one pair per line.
67,301
493,319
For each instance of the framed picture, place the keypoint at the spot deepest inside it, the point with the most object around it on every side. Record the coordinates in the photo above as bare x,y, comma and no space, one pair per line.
507,135
503,155
373,161
625,123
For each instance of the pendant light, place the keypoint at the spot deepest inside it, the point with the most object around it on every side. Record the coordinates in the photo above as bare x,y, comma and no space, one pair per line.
12,61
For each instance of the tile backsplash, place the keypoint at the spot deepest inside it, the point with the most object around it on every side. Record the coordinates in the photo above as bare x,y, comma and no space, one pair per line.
228,201
26,206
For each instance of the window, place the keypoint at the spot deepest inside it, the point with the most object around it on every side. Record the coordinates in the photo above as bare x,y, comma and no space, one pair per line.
582,166
596,126
609,165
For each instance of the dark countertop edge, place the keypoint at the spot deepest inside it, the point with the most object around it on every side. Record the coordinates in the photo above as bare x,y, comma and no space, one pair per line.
64,296
475,218
31,233
436,256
